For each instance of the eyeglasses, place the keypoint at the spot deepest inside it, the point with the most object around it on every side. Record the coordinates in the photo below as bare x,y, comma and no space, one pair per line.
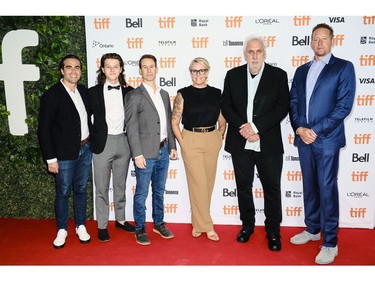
198,71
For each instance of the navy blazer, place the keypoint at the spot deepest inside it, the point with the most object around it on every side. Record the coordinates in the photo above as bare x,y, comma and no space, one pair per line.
271,105
330,103
99,132
143,123
59,127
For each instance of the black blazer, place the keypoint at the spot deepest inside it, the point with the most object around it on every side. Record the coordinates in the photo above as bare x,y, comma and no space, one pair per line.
59,126
271,105
99,132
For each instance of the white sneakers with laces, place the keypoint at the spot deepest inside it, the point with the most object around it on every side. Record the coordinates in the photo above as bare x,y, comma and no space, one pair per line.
327,255
304,237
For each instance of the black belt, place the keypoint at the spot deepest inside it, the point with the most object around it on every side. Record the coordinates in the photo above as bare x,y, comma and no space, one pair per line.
162,143
85,141
201,129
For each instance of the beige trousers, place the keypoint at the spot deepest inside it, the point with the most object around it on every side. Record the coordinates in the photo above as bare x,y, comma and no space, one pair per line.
200,153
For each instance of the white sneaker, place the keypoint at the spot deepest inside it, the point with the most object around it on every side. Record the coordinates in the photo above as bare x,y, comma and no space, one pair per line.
82,234
327,255
59,241
304,237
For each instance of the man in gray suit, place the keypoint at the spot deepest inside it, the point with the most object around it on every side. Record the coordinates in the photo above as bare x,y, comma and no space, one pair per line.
152,144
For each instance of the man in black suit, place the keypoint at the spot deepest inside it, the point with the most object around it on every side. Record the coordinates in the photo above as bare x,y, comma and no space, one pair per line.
63,132
109,142
255,100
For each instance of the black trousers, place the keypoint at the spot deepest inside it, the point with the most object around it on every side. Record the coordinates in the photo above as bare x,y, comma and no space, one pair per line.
269,172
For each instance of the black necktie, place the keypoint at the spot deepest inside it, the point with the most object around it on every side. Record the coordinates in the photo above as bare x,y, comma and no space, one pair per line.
113,87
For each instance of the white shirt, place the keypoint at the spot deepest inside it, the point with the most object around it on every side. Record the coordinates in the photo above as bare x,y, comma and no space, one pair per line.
159,104
252,86
114,110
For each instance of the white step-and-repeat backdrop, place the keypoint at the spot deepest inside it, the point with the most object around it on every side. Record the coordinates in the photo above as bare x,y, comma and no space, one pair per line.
176,40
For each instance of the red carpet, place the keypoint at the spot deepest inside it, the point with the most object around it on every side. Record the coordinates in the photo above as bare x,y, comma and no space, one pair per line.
29,242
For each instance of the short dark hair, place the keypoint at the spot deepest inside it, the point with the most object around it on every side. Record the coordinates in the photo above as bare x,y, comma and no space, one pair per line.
323,25
147,56
70,56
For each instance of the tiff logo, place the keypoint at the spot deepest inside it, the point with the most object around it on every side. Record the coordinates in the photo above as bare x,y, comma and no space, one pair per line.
170,208
167,62
357,212
338,39
102,23
294,176
135,43
359,176
368,20
231,210
135,81
301,21
290,138
299,60
13,72
172,174
367,60
233,22
167,22
365,100
199,42
293,211
231,62
362,138
228,175
270,40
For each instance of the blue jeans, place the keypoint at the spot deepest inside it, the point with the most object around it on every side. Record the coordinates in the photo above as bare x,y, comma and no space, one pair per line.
73,174
156,173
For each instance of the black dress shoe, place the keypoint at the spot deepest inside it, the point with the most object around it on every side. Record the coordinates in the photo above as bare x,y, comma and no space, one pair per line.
126,226
103,235
244,234
274,242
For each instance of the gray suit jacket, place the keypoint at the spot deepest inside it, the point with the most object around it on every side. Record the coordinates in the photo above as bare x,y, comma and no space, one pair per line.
143,123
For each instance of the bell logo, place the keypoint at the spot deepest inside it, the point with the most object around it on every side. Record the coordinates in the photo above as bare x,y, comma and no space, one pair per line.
301,21
14,73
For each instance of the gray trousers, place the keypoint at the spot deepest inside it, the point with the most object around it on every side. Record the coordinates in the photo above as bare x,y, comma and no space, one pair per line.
113,161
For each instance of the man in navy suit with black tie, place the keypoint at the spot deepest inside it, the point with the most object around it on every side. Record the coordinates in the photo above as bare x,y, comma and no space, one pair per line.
255,101
321,97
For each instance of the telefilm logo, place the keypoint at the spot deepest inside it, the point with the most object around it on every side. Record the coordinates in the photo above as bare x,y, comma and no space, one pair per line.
101,45
364,120
199,22
167,43
13,72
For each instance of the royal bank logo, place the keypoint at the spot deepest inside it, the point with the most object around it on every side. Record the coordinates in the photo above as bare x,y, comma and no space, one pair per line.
101,45
367,40
199,22
293,194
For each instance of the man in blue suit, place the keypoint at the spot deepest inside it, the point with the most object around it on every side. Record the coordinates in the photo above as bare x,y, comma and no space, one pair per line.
321,97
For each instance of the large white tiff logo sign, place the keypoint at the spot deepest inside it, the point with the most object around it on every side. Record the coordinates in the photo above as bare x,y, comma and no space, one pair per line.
13,73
